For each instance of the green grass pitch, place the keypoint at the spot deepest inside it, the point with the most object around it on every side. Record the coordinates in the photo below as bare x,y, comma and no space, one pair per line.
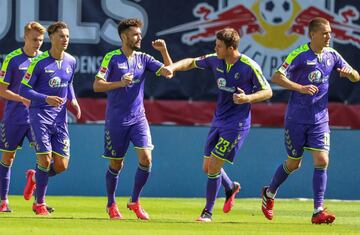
86,215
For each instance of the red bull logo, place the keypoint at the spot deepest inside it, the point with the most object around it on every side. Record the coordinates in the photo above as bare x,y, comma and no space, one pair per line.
270,29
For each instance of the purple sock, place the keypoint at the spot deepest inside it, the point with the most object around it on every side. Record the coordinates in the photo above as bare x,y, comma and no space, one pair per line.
319,186
212,190
279,177
42,179
112,178
52,172
141,176
5,171
226,181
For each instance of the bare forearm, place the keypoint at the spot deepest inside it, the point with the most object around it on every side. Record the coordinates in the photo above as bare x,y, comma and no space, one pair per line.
282,81
9,95
184,65
166,57
101,85
260,96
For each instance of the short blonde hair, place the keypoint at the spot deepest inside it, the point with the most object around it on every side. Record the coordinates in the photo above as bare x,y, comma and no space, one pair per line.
34,26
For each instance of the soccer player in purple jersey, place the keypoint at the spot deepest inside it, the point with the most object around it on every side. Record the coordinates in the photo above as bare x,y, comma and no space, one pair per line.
240,82
305,72
48,84
121,76
15,125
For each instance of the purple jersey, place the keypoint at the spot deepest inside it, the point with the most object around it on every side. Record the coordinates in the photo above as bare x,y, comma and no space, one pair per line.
305,67
245,74
47,76
12,71
125,106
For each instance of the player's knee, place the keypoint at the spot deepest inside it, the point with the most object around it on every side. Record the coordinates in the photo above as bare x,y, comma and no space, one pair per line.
116,164
293,165
8,158
205,169
146,162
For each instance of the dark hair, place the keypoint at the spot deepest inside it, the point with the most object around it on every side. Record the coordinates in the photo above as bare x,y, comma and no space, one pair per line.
316,22
229,36
55,26
127,23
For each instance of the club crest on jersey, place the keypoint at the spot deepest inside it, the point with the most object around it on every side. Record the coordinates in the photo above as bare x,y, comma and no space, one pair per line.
237,76
315,77
68,70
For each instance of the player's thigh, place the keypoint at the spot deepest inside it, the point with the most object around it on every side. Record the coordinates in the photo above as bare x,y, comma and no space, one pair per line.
140,136
12,136
211,141
60,141
116,141
41,133
229,142
295,139
318,137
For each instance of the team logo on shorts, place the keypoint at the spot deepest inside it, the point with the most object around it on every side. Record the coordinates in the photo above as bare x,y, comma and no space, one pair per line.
66,148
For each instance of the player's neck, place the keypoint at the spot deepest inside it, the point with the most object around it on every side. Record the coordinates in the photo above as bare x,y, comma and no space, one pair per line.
56,54
128,52
316,49
29,52
232,58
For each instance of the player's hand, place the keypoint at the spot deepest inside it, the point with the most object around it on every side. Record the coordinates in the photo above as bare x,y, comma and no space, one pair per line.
167,72
76,106
159,45
127,79
345,71
309,89
240,97
26,102
55,101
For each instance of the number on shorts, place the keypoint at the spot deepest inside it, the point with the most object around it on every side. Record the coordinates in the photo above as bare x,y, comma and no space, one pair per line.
222,145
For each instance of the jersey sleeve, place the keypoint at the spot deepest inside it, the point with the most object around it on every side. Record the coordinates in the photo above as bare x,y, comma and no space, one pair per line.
71,91
152,64
26,87
6,72
204,62
106,65
340,62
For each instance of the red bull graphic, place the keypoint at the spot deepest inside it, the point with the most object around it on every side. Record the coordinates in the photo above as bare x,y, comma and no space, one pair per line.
270,29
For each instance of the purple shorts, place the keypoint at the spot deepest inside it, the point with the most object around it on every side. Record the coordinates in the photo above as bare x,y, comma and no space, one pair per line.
13,135
51,138
224,143
299,137
117,138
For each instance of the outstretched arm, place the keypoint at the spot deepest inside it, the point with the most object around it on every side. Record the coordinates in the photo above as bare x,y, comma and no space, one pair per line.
183,65
283,81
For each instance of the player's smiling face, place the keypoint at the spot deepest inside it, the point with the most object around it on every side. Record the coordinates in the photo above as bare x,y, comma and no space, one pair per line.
60,39
34,40
220,49
133,38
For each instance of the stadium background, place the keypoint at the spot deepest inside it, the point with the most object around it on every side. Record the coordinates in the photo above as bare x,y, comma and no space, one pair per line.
180,109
